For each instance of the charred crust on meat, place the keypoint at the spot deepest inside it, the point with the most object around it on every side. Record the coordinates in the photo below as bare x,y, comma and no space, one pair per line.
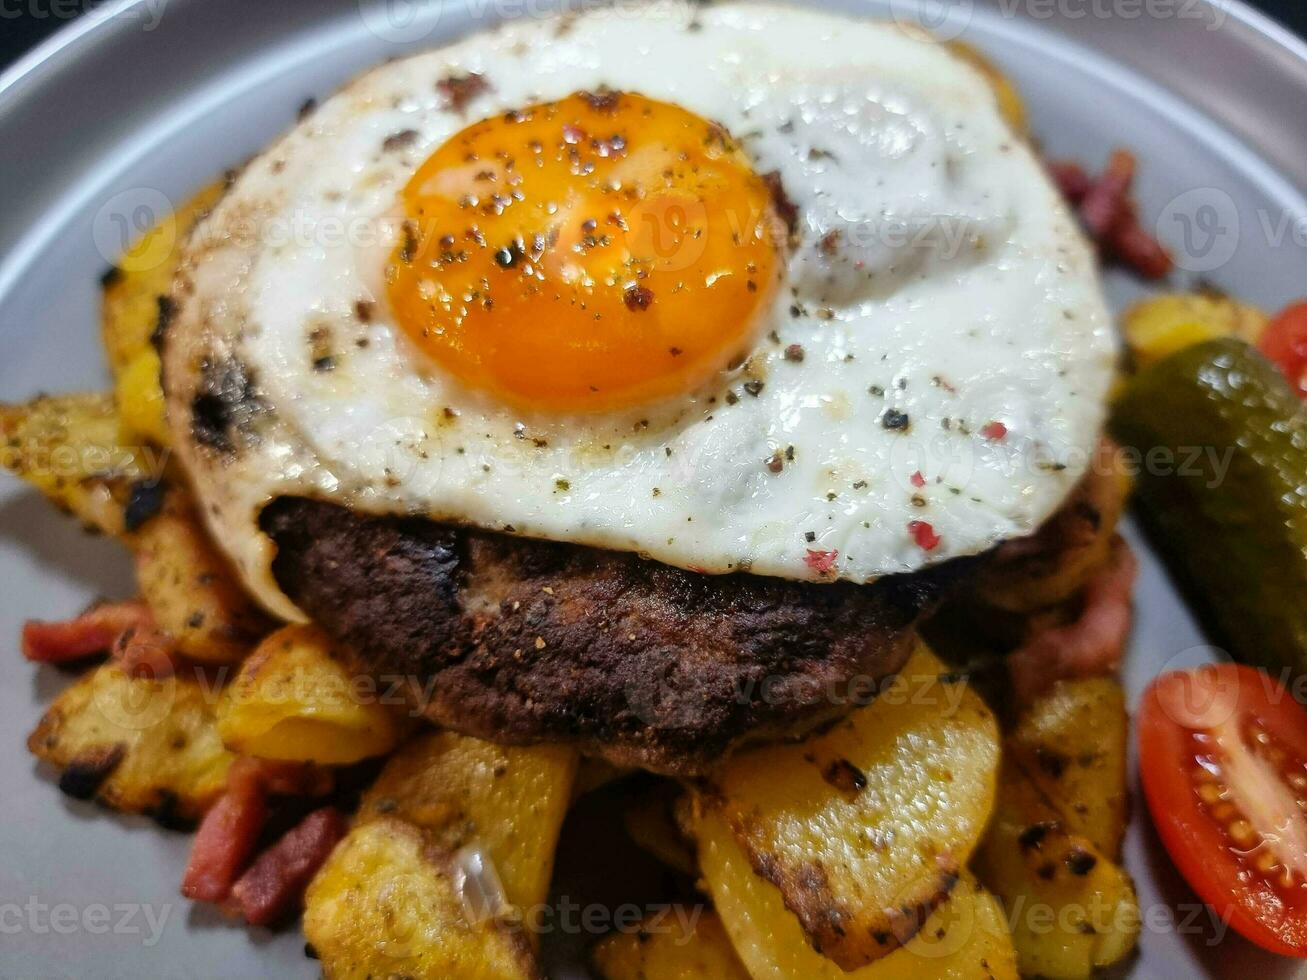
87,772
225,405
631,659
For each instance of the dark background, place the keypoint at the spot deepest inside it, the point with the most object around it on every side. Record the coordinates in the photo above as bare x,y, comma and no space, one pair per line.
25,22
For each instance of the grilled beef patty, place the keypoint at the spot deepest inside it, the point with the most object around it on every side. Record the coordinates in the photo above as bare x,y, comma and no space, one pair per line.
517,641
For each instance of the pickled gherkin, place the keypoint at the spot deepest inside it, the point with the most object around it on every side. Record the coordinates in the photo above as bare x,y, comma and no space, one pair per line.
1224,492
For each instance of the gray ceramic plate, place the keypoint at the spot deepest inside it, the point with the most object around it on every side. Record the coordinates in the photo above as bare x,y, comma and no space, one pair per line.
140,102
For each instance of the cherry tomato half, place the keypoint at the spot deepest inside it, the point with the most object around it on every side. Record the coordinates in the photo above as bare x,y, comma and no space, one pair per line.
1285,343
1223,750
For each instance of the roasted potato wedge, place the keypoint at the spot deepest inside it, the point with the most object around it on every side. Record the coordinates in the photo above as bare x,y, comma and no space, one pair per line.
388,904
143,273
453,844
136,745
192,589
1161,325
864,829
965,938
1072,910
69,448
1071,744
136,305
295,700
507,801
664,949
650,821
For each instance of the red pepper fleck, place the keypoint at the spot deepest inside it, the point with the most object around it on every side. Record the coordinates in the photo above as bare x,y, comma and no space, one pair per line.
924,535
821,562
994,431
918,480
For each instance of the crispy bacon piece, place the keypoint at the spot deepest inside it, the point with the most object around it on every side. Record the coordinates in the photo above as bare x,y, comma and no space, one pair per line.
1089,646
1109,214
227,835
1139,250
94,631
275,882
1104,204
1071,180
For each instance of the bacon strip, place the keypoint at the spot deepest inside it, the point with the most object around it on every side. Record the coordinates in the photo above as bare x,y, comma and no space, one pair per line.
1104,204
275,882
1090,646
94,631
126,630
227,835
1110,216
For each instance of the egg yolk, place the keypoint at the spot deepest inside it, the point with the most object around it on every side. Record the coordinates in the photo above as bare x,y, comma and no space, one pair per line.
592,253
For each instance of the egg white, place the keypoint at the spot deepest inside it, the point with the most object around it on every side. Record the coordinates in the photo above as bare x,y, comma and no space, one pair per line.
938,277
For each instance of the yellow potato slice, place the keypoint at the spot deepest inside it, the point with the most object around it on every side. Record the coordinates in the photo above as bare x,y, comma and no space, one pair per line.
191,587
69,448
1071,744
1162,325
386,904
865,829
295,700
965,938
136,305
509,801
136,745
1071,909
664,949
144,272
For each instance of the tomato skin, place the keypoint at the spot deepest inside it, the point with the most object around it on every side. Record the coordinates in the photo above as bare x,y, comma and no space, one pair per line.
1198,846
1285,343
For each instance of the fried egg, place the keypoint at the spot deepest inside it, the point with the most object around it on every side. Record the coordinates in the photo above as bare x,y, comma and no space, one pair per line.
742,288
